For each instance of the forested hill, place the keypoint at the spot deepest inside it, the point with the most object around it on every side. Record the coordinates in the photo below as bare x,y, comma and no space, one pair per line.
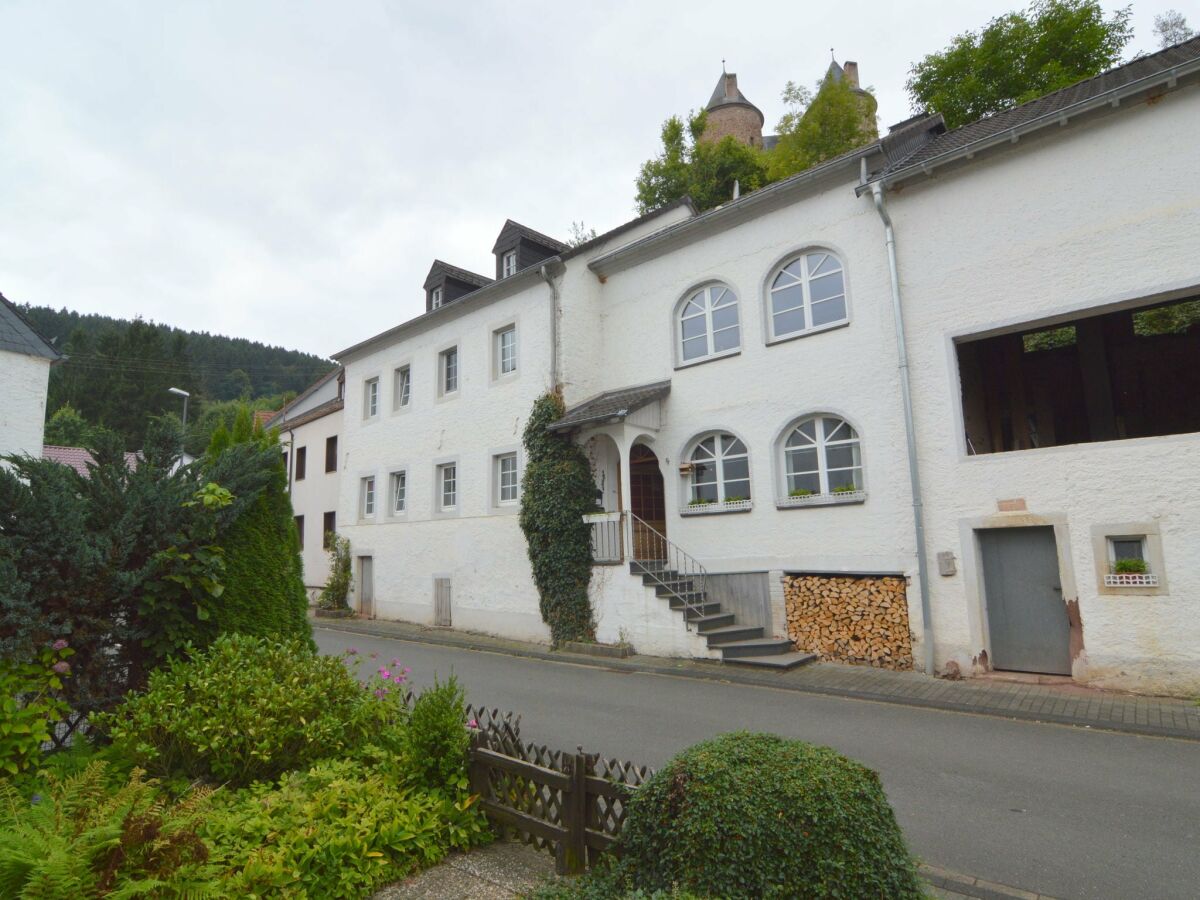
118,370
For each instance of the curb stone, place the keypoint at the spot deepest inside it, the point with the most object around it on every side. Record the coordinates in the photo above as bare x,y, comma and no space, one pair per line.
713,670
959,885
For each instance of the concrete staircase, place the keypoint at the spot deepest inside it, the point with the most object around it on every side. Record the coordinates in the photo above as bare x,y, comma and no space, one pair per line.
745,645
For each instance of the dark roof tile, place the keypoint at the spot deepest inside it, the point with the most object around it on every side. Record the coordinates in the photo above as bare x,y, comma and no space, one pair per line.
17,335
612,405
1048,106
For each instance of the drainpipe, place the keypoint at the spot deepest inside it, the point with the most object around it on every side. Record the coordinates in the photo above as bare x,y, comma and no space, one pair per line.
291,458
544,271
910,434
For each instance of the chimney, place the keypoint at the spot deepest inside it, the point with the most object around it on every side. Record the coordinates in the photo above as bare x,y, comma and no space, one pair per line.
731,90
851,70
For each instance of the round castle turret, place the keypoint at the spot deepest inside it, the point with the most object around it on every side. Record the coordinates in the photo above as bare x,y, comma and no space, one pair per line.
730,113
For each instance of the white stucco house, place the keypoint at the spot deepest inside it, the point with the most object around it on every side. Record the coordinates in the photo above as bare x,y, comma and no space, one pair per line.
931,404
25,361
309,429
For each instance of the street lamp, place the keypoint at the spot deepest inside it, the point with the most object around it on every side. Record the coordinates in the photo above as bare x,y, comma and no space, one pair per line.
179,392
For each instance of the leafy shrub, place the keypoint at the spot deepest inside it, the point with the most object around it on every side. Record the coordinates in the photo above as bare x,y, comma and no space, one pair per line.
245,709
337,586
557,491
30,704
437,739
336,830
756,815
83,838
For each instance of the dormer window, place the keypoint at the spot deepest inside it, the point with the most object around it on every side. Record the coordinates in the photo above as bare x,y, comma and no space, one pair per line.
509,264
435,298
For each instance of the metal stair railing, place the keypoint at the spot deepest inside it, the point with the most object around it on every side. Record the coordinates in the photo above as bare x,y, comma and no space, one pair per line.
659,558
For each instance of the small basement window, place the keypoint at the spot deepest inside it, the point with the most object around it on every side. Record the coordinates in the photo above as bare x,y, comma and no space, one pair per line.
1132,373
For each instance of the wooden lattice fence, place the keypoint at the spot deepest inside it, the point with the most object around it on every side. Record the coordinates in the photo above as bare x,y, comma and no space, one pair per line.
571,804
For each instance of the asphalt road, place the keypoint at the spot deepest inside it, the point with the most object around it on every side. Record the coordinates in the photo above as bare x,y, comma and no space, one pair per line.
1063,811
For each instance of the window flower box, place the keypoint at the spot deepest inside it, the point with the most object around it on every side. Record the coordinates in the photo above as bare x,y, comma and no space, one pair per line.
1131,579
705,509
836,498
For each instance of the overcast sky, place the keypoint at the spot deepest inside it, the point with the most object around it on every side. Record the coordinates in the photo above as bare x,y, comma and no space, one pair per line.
287,171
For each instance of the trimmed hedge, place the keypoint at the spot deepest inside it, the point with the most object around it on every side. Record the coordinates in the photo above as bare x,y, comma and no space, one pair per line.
756,815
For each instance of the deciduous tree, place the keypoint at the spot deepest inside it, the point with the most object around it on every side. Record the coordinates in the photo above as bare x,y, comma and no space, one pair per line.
1018,57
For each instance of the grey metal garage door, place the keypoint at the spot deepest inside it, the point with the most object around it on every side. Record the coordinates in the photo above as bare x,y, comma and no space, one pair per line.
1027,620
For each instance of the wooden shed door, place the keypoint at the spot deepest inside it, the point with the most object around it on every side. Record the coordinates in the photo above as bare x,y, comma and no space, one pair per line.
1027,619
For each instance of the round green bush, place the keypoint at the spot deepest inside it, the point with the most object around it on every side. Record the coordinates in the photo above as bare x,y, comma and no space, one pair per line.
756,815
246,709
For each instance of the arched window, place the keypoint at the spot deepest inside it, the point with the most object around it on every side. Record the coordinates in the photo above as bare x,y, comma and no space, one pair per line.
720,470
822,456
707,323
808,293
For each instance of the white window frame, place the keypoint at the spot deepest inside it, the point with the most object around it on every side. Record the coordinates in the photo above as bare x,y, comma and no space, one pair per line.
366,497
402,387
821,444
401,475
718,461
435,298
498,354
371,397
498,470
443,470
711,293
806,294
443,363
1153,582
506,259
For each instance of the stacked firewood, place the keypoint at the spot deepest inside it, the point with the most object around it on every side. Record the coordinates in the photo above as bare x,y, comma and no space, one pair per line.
850,619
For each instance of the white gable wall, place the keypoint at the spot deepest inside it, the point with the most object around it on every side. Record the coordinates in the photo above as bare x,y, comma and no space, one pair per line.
848,371
479,546
1095,214
316,493
23,403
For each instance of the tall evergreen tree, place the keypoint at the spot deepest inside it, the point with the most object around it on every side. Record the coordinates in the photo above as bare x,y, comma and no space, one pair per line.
264,575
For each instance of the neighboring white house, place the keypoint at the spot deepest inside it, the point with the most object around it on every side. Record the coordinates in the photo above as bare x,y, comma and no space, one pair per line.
25,361
309,429
1013,486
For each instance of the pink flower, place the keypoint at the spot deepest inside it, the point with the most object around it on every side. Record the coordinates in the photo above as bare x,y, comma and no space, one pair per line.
379,692
399,678
406,670
385,674
471,723
395,662
60,644
62,667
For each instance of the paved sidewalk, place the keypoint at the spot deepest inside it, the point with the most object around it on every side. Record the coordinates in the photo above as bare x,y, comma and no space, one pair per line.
507,870
1068,705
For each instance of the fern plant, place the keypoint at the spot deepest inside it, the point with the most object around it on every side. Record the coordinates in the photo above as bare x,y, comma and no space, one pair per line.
80,838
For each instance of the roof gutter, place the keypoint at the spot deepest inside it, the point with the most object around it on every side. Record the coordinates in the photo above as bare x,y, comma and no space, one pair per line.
497,289
727,214
1113,97
910,434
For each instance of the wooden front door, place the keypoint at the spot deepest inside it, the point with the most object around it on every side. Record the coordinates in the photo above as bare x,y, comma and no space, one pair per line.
647,501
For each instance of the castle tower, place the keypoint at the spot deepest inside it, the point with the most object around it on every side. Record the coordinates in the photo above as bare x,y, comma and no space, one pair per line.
848,72
730,113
